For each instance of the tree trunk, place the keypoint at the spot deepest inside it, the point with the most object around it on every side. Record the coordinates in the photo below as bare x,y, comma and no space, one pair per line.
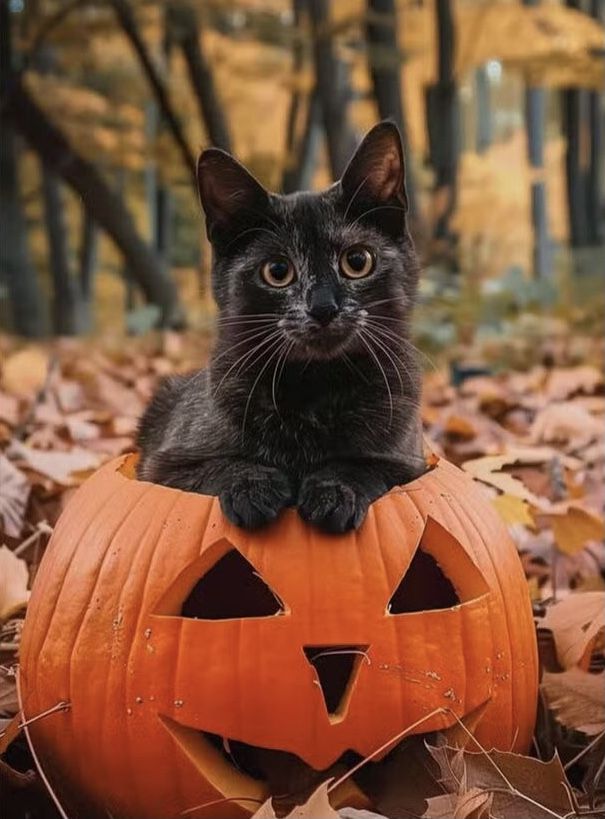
129,26
103,204
596,126
575,115
483,135
385,70
66,301
88,254
186,32
300,176
16,269
334,90
443,123
535,111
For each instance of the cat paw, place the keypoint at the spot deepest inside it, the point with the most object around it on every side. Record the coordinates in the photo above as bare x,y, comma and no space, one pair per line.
256,497
331,505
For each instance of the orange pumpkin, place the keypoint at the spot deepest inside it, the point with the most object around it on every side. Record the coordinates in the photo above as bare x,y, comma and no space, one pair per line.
181,641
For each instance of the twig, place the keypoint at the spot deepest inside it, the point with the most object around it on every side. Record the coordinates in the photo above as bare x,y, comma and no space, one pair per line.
42,528
32,751
221,801
386,745
585,750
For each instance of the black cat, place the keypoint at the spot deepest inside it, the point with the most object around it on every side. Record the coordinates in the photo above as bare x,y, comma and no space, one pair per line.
311,396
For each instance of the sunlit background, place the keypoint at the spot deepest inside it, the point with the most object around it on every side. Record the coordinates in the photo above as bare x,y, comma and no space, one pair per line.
106,105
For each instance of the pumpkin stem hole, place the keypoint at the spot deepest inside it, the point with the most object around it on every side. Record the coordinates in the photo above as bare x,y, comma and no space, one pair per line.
231,589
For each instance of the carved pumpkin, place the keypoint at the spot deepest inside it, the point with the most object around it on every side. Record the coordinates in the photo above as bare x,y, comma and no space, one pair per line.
183,643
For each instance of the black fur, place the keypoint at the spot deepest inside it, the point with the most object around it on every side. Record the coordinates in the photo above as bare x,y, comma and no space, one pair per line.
292,410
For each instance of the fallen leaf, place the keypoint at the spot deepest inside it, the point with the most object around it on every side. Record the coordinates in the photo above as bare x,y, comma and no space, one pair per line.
565,422
9,702
575,528
513,510
317,807
471,804
14,578
577,698
487,470
14,494
9,409
565,381
537,791
24,372
574,623
59,466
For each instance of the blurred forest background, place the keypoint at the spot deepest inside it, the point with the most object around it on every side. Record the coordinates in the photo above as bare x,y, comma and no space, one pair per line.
105,106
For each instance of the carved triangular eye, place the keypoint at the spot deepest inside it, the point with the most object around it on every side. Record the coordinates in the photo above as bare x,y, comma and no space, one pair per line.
441,575
231,589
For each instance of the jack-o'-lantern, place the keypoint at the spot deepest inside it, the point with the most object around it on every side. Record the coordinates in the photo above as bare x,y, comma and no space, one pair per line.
192,651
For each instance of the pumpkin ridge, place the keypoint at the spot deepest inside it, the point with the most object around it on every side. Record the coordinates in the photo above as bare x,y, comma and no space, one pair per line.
508,614
52,554
122,691
85,612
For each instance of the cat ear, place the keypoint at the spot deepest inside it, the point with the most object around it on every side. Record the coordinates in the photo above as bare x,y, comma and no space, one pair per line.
377,170
229,194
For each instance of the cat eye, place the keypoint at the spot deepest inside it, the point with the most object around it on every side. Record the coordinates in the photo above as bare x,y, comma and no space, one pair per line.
278,272
356,262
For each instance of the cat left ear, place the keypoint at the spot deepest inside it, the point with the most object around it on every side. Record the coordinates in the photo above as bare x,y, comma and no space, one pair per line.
229,194
377,170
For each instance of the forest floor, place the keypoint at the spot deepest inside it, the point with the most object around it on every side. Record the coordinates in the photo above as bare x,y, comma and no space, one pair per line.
531,436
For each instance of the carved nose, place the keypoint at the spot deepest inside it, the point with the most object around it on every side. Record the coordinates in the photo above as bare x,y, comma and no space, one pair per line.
336,668
323,308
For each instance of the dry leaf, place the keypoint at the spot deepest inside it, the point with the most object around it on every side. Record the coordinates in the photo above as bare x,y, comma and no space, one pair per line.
564,382
565,422
14,578
472,804
513,510
577,698
9,702
575,622
59,466
575,528
539,786
24,372
487,470
317,807
14,494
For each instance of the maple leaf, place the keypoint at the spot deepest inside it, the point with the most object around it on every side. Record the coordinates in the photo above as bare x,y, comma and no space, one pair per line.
577,698
14,494
575,622
58,466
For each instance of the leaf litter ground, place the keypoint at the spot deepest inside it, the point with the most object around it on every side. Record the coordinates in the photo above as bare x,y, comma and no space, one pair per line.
532,438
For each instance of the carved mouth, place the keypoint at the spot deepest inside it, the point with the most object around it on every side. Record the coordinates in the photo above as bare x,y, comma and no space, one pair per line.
249,775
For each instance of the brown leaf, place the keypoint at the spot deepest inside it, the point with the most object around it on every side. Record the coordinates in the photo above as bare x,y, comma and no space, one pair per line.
9,409
14,579
575,622
577,698
59,466
564,382
566,422
24,372
317,807
471,804
521,786
14,494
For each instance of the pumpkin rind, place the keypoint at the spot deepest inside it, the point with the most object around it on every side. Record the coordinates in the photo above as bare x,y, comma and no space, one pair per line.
100,634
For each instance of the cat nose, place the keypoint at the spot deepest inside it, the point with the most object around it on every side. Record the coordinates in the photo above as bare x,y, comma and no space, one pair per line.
323,307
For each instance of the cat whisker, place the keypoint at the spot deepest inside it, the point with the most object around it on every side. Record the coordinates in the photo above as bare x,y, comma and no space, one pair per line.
277,374
246,357
275,350
381,368
352,199
252,334
399,339
382,346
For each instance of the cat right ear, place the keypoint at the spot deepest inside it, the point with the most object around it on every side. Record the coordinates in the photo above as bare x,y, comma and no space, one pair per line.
230,196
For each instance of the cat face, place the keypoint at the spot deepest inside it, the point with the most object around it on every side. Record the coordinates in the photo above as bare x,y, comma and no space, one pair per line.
312,273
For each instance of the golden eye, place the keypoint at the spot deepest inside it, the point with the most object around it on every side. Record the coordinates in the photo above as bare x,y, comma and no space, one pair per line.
356,262
278,272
